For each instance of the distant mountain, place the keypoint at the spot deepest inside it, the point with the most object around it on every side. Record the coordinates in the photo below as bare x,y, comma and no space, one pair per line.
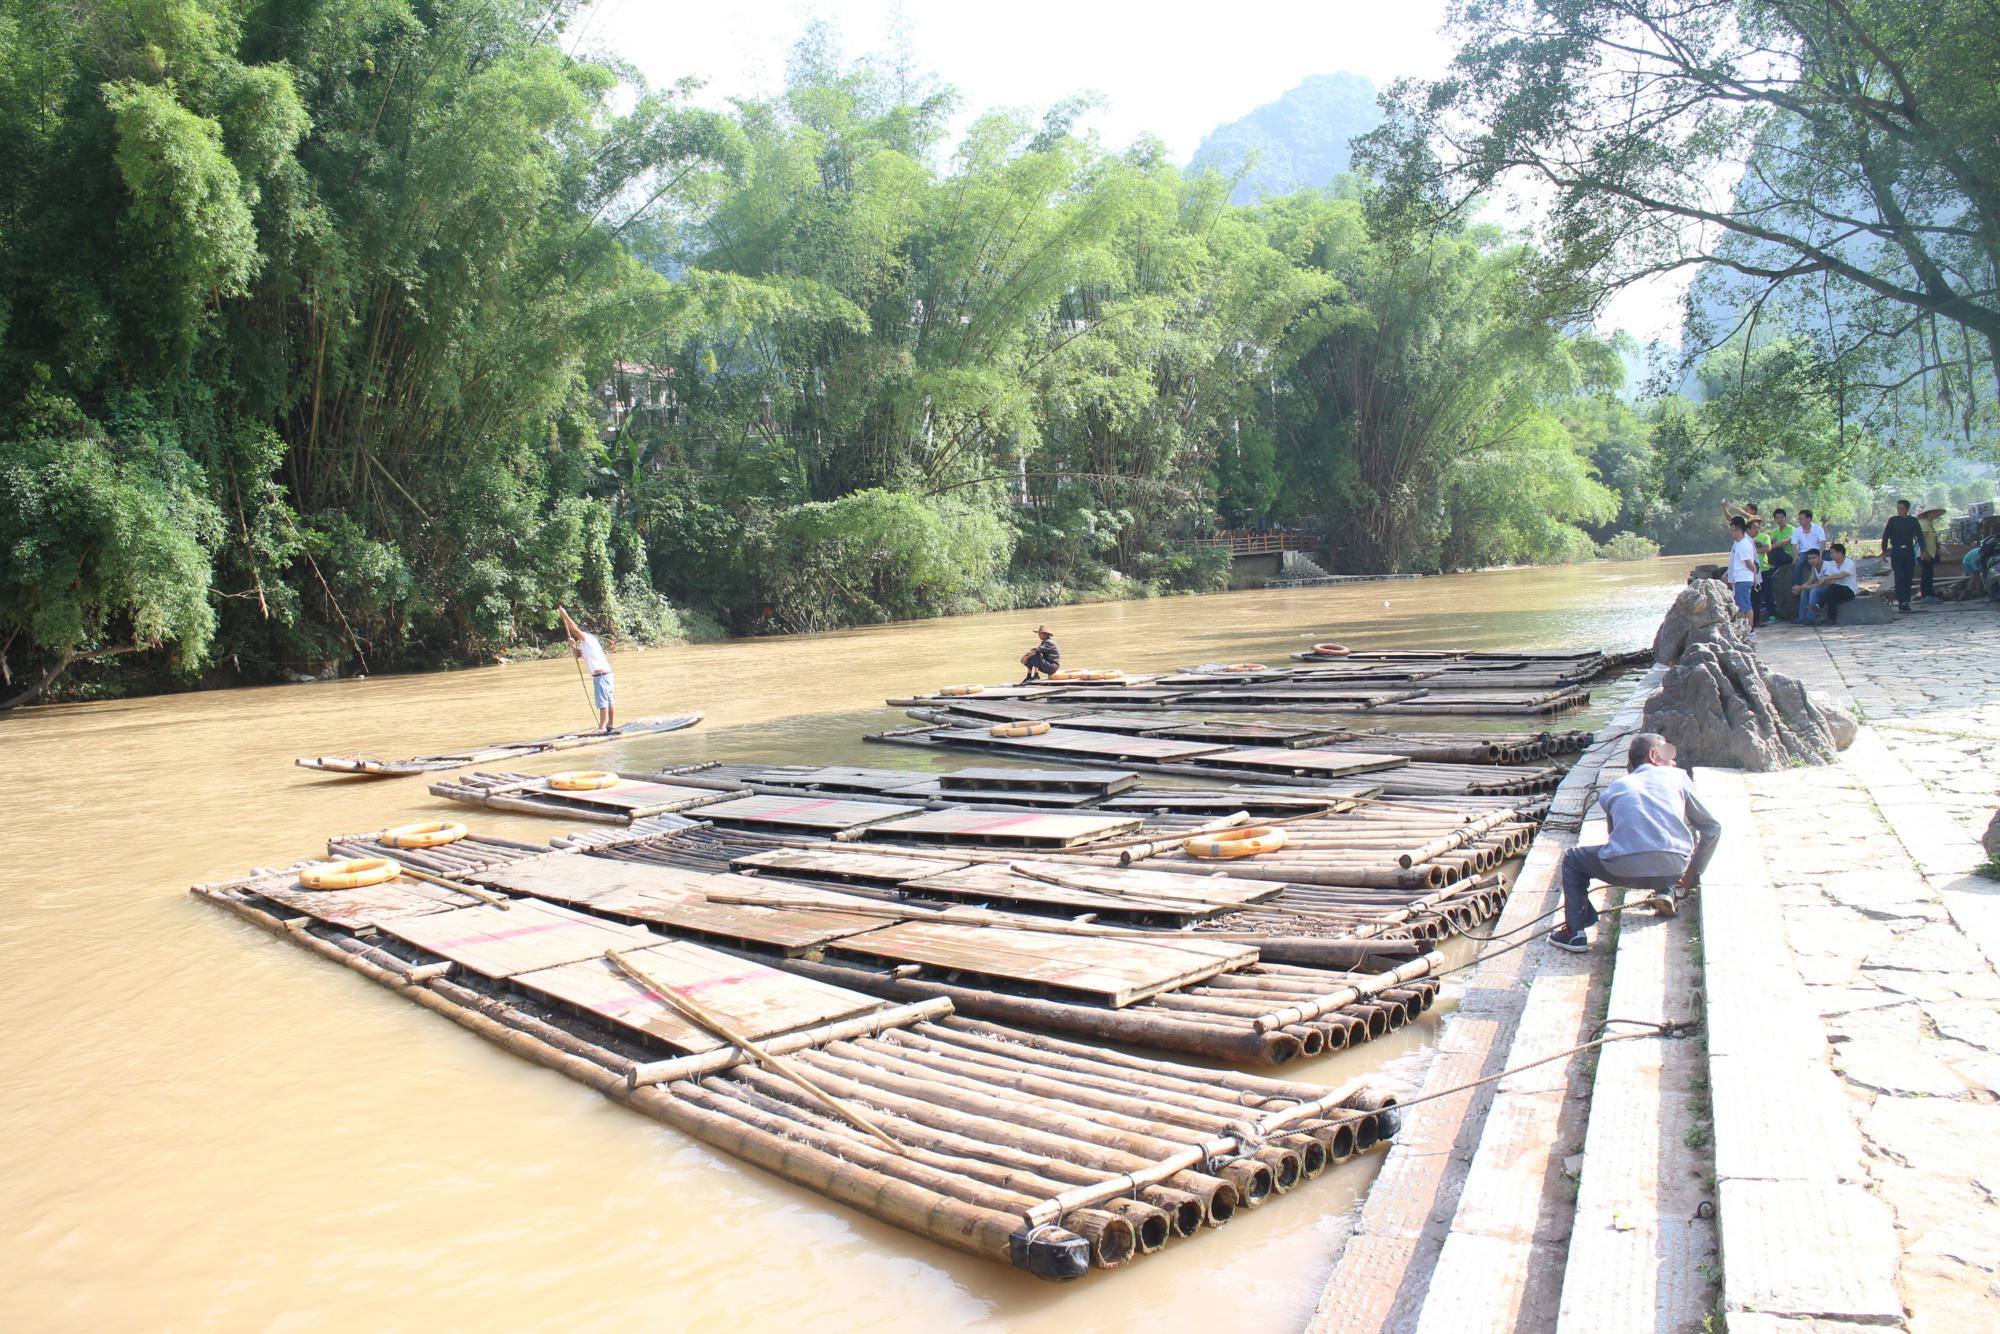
1299,140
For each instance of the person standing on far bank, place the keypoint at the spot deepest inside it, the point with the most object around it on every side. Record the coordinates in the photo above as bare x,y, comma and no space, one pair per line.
1743,572
1927,554
1811,537
1661,840
587,647
1900,538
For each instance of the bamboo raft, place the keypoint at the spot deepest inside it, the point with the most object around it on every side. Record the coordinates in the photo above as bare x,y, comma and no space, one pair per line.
1207,994
1440,747
1354,771
635,797
1436,683
365,766
1048,1155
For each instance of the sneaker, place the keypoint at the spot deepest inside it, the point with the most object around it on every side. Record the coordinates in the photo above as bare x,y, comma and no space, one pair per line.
1663,904
1575,944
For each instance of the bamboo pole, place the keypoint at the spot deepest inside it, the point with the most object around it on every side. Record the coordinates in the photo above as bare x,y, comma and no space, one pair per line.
722,1028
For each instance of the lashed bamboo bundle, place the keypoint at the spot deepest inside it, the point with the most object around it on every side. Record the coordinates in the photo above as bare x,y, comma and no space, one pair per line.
1015,1147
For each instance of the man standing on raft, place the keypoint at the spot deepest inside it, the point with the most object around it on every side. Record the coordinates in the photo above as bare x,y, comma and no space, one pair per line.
1661,840
1044,657
586,646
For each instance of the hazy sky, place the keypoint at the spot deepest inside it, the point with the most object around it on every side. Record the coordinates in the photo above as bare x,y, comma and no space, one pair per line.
1168,67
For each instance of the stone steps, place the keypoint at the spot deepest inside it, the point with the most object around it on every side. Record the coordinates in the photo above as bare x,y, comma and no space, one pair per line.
1638,1245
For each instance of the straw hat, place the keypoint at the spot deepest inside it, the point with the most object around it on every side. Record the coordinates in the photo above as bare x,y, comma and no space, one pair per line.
1043,630
1934,512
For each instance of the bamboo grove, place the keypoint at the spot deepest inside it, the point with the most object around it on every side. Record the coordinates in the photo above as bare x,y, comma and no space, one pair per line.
359,334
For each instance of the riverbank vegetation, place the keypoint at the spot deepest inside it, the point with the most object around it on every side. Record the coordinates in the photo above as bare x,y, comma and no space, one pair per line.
350,335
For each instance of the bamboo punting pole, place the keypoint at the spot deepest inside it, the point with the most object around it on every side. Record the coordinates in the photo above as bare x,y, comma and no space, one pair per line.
704,1017
725,1058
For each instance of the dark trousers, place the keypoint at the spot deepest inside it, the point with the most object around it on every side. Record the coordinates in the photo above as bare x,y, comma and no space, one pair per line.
1830,599
1927,576
1582,865
1903,560
1048,664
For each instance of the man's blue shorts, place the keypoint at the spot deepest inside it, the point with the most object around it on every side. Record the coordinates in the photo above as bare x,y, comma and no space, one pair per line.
600,684
1744,588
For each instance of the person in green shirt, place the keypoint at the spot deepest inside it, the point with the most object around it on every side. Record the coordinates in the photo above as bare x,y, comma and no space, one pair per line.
1776,551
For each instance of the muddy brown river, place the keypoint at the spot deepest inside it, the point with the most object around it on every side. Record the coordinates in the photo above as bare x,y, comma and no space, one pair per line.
207,1128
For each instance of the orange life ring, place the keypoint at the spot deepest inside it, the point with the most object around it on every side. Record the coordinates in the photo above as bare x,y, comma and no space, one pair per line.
956,691
584,780
1246,667
1246,842
433,835
1331,650
1089,674
1020,729
351,873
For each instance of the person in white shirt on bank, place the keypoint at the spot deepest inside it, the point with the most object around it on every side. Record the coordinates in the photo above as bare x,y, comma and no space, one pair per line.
1743,571
1835,582
1812,537
587,647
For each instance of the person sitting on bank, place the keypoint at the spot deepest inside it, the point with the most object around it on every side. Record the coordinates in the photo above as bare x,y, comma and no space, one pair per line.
1044,657
586,646
1811,537
1900,537
1662,838
1809,565
1834,584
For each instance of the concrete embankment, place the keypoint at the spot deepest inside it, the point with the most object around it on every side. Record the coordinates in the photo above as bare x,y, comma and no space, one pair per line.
1797,1122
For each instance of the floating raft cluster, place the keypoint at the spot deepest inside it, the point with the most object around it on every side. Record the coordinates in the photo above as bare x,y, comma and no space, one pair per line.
367,766
1015,1146
1385,683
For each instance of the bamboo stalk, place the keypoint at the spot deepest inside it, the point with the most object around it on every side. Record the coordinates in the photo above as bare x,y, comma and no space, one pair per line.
722,1028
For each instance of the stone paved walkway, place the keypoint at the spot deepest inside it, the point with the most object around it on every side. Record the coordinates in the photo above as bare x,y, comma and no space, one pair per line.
1895,937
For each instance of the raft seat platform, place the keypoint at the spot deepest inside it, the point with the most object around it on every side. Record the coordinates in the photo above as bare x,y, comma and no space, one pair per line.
821,815
635,796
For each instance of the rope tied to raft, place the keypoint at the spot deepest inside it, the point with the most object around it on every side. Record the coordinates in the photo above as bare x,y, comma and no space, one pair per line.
1529,925
1642,1028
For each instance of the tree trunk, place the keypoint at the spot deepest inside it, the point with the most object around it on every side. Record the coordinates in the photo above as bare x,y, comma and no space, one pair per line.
60,666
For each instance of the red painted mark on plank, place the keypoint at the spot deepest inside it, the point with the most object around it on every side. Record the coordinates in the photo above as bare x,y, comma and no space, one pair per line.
797,807
1006,823
492,937
648,996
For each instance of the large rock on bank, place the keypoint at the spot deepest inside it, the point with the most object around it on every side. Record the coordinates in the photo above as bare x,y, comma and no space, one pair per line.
1991,839
1721,706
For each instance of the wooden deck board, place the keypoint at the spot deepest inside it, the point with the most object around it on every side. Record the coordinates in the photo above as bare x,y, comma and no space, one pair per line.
522,937
1010,828
1117,971
1096,744
819,814
1318,763
757,1000
356,908
1102,782
843,863
568,877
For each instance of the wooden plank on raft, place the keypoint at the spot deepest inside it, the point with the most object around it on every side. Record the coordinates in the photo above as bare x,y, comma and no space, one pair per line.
1009,829
824,815
1118,971
567,877
632,796
1095,744
358,908
758,1000
1197,801
932,790
842,864
1306,761
1101,782
1096,889
499,942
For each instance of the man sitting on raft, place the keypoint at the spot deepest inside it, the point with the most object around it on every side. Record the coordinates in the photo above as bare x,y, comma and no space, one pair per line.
586,646
1661,839
1044,657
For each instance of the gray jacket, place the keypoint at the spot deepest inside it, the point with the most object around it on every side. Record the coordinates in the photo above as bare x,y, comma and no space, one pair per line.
1658,824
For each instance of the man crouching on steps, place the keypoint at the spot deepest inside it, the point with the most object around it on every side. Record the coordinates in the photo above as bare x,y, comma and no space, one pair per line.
1661,840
